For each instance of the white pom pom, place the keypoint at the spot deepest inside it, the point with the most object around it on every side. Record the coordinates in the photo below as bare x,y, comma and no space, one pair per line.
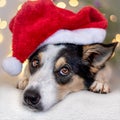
12,66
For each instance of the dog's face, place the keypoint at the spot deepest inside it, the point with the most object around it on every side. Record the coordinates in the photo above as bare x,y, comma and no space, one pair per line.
57,70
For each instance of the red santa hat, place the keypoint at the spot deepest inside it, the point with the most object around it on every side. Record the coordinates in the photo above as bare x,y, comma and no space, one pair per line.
40,22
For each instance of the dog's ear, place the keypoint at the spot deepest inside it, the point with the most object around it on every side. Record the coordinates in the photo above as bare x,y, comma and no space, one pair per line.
98,54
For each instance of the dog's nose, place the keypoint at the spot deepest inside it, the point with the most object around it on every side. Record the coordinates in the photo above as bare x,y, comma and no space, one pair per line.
32,97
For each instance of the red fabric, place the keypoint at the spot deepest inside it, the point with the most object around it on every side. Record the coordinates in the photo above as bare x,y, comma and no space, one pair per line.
37,20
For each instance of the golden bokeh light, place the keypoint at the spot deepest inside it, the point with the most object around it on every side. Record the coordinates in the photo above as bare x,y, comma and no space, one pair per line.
114,40
113,18
2,3
117,39
3,24
19,7
73,3
61,5
1,38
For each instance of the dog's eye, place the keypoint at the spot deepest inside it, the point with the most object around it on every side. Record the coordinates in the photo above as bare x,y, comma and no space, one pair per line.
35,63
64,71
63,74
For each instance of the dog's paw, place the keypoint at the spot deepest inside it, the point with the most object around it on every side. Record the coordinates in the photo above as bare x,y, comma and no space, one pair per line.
100,87
22,84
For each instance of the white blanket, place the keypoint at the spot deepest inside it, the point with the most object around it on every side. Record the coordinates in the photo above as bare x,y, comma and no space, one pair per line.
83,105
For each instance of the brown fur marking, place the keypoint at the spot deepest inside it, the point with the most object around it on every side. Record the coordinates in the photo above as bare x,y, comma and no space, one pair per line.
94,70
60,62
40,55
75,85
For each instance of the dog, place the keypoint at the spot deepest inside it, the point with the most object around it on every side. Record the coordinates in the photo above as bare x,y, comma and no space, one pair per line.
54,71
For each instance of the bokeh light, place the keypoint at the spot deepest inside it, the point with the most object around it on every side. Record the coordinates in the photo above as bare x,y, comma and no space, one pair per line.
73,3
1,38
3,24
113,18
117,39
61,4
19,7
2,3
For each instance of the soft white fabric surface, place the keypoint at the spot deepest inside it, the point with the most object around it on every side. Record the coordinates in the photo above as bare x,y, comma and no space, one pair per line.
83,105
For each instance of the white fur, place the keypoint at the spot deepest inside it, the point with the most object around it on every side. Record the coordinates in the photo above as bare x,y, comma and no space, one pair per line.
80,36
83,105
44,78
12,66
102,80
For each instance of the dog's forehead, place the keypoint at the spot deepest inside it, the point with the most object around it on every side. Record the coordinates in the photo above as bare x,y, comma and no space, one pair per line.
52,51
47,51
58,50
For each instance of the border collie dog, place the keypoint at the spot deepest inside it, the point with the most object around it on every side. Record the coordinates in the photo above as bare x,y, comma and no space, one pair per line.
54,71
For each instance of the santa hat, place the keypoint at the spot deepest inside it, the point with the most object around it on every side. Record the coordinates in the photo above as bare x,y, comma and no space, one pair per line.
40,22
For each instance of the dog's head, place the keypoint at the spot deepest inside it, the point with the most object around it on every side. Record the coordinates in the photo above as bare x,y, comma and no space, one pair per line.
57,70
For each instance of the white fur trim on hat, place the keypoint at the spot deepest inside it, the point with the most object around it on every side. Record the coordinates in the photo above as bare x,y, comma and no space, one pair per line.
79,36
12,66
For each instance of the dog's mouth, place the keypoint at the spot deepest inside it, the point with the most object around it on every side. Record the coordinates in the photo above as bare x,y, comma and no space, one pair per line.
35,108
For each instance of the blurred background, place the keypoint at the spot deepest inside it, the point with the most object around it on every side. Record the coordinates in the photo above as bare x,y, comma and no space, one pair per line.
109,8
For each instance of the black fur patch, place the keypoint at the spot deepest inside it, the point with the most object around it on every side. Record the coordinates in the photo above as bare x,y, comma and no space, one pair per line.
73,55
